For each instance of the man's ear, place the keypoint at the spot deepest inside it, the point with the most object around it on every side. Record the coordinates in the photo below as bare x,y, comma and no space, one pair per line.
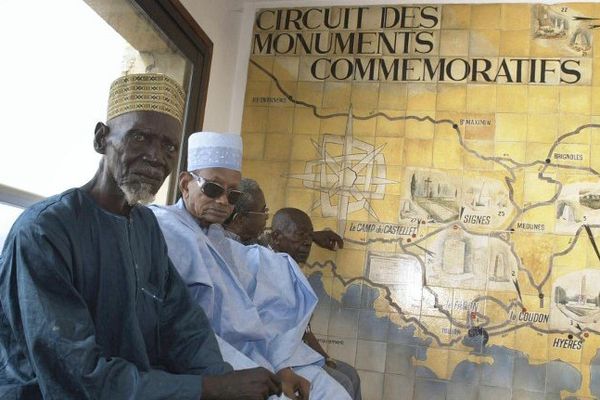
184,181
236,217
100,134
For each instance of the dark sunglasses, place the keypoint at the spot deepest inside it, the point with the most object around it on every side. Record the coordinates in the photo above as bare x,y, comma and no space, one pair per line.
214,190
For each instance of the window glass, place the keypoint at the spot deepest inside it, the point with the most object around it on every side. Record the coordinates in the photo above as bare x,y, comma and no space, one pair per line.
63,58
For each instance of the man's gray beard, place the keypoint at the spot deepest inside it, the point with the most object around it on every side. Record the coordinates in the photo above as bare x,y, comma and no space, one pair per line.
138,193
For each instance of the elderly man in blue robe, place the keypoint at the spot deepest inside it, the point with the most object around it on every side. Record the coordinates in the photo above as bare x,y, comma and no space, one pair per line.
90,305
258,302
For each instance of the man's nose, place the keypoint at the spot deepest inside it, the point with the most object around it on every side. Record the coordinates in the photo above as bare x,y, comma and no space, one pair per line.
154,156
222,199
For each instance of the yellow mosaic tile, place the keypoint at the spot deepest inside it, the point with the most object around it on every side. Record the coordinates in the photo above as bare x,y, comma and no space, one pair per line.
336,94
447,154
335,125
454,43
515,17
595,161
277,147
303,147
364,95
484,43
456,16
511,98
483,148
485,16
421,97
418,153
512,150
281,120
481,98
364,128
255,119
254,146
511,127
451,97
542,128
575,100
310,92
571,123
393,149
286,68
392,96
537,152
257,72
445,125
543,99
390,125
305,122
256,89
537,190
417,126
514,43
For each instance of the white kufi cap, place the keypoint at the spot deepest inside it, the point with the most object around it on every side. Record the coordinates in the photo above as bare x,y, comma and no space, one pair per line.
214,150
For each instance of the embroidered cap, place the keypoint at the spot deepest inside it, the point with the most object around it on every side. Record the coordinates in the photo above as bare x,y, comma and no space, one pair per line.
146,92
214,150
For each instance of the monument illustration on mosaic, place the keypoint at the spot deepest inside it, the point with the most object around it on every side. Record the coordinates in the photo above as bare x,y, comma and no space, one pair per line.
455,148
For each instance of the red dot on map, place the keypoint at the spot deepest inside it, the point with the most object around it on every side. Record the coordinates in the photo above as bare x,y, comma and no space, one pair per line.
586,334
524,309
473,315
455,226
414,235
408,240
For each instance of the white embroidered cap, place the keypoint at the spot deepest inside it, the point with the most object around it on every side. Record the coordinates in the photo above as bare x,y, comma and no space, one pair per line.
214,150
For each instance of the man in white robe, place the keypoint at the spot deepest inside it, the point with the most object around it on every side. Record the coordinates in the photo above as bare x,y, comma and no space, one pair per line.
258,302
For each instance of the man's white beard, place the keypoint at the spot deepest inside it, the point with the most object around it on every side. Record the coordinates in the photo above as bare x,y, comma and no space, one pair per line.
138,193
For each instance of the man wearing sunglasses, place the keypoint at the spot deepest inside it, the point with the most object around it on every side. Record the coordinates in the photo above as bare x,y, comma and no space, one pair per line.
248,221
258,302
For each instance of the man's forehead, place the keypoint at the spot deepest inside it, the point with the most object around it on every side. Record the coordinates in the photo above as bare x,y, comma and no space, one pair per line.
300,223
221,175
150,122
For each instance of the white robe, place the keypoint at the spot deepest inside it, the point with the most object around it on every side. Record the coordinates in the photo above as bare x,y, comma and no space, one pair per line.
259,302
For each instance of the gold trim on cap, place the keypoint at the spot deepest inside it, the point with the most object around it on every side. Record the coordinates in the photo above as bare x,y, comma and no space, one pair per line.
146,92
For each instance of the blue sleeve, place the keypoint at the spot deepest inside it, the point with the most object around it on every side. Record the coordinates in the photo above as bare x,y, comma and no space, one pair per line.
54,329
188,341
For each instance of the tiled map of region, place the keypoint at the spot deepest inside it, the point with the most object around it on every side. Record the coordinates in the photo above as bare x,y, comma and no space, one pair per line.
456,148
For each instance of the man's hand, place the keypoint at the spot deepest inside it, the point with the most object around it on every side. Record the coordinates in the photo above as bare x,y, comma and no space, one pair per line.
245,384
294,386
328,240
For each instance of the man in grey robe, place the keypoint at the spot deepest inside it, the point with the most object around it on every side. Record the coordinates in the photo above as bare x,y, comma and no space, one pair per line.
90,304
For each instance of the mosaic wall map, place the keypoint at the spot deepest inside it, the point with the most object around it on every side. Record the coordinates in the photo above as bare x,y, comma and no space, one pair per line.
456,148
